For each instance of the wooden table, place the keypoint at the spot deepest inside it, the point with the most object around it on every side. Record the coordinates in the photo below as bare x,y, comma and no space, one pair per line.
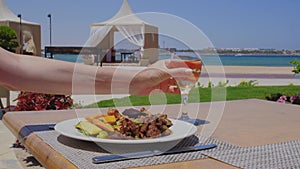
243,123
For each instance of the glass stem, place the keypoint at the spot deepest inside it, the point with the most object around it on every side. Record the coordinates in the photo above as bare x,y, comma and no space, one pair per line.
184,99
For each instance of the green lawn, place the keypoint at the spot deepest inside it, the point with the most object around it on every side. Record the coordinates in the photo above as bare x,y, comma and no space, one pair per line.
203,95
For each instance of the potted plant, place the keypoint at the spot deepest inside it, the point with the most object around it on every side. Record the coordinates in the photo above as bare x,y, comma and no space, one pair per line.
296,64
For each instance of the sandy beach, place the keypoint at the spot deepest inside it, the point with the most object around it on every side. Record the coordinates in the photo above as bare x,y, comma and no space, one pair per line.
249,70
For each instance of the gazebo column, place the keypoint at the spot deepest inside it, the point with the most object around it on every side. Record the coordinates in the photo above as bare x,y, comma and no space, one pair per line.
150,56
151,48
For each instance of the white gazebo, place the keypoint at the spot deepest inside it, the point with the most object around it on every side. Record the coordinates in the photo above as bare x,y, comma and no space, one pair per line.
132,28
30,32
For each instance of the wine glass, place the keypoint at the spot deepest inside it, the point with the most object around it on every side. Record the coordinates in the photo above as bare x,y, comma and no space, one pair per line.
185,87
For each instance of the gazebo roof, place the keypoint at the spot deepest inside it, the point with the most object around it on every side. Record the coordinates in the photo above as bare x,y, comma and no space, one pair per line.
124,16
7,15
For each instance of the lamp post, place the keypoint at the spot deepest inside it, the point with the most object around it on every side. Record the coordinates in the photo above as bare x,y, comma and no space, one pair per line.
20,33
50,21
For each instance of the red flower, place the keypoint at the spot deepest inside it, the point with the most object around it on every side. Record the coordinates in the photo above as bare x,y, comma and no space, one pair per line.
28,101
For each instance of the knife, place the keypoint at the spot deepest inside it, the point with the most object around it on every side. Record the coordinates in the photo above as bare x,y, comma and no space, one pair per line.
144,154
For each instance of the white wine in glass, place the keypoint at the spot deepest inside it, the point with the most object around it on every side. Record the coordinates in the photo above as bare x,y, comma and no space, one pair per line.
185,87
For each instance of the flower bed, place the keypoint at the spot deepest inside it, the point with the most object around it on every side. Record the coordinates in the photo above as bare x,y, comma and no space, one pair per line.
28,101
278,97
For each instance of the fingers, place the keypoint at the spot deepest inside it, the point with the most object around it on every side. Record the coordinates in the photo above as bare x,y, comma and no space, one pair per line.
175,63
164,76
192,64
169,86
182,74
166,86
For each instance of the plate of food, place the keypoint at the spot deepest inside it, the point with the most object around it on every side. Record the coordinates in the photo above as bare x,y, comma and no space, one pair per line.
131,130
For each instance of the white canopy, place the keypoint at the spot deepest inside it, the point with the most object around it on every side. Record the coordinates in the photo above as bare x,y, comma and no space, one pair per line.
119,18
131,27
7,15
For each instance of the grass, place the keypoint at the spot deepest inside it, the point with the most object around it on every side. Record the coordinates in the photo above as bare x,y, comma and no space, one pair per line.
202,95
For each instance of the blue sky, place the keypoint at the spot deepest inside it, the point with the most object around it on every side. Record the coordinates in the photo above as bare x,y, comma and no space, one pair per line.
227,23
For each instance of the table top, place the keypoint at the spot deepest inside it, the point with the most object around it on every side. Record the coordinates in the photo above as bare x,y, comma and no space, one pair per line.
243,123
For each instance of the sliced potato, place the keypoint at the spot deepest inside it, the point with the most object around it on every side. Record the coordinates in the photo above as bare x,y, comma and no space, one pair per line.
90,118
103,125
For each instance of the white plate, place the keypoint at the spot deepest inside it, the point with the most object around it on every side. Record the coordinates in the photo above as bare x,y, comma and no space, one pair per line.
180,130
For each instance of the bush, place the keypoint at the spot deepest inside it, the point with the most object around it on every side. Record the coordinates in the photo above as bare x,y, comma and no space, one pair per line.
296,64
274,97
7,37
250,83
295,99
28,101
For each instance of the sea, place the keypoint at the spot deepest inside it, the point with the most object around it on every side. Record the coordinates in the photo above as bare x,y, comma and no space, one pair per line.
225,60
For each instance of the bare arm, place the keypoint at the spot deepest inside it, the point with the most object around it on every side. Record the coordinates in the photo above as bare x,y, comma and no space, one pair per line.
36,74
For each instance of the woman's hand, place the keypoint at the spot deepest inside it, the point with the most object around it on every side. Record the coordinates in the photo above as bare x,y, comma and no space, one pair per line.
161,77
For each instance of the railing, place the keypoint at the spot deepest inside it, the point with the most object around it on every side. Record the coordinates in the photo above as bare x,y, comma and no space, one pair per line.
97,52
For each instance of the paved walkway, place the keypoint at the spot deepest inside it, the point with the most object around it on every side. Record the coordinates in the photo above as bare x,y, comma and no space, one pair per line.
14,158
8,158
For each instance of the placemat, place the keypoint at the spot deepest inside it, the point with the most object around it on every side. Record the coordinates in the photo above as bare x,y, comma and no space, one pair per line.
80,153
285,155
